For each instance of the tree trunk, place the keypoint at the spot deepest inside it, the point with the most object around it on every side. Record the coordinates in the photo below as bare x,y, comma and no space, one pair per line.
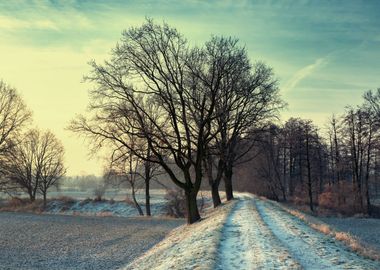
214,182
32,196
147,198
215,195
148,176
228,184
44,194
192,207
138,207
368,164
309,181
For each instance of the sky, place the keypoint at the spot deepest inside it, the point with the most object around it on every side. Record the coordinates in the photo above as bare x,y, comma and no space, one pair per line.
325,54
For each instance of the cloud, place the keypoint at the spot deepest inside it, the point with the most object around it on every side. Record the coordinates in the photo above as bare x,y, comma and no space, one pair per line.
303,73
9,23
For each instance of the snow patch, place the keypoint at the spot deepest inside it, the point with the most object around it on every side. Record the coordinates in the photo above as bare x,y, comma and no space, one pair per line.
187,247
247,243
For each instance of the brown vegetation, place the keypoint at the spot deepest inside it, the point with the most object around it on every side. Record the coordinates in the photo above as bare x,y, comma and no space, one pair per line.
352,242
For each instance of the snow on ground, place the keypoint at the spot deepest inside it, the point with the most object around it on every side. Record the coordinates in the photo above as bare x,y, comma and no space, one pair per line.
312,249
89,207
156,195
240,248
101,208
250,233
56,242
187,247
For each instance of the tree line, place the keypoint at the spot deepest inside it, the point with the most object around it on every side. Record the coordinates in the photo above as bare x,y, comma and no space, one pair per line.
190,110
31,160
336,167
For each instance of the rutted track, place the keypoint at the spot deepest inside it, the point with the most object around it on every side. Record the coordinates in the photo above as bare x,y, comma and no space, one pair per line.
240,248
260,235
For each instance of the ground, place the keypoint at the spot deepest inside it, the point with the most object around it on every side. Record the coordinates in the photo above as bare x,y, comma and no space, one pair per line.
29,241
247,233
366,230
251,233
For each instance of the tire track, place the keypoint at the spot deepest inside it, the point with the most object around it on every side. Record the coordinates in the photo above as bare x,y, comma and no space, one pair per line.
247,243
312,249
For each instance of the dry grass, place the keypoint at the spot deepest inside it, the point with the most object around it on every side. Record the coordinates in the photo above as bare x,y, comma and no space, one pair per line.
17,204
104,214
352,242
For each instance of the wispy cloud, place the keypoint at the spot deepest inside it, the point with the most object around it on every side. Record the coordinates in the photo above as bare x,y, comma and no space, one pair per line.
303,73
10,23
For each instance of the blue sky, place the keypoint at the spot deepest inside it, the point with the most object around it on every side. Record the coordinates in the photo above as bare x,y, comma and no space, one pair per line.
324,53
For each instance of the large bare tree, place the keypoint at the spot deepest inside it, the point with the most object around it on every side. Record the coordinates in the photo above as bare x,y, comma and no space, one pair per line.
153,66
247,98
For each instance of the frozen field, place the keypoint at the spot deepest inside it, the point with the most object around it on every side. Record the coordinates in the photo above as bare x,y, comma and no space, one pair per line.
29,241
157,195
365,229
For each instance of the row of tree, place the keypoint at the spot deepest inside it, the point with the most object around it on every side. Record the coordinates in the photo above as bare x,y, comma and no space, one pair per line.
190,110
30,160
296,159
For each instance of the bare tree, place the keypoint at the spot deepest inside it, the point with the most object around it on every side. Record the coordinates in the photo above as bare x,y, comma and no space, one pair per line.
49,162
372,101
247,99
153,66
36,163
13,117
124,169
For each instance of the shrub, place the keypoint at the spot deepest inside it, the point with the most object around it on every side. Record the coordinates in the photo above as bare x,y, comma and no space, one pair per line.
15,202
340,198
176,203
99,192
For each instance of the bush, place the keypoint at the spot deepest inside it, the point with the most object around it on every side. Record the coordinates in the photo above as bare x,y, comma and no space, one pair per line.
99,192
340,198
300,195
176,205
15,202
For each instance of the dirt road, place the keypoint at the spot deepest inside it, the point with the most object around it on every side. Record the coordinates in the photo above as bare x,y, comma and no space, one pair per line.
260,235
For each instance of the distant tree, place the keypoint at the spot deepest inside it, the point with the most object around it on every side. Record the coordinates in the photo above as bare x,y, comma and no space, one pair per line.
124,170
142,168
335,149
269,165
372,101
35,163
14,115
49,162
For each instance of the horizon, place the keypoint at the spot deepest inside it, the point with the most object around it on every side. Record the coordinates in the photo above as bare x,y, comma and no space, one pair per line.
317,52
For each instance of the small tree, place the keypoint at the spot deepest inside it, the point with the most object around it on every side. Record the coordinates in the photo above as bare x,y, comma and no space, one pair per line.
123,169
49,162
